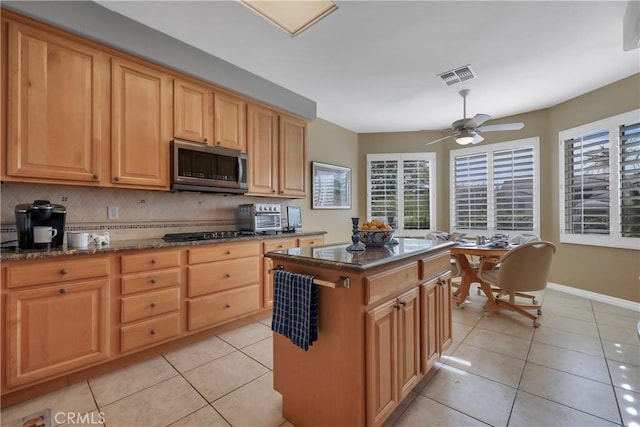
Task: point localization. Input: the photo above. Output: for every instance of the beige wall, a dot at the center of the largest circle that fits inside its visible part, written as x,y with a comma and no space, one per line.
613,272
329,143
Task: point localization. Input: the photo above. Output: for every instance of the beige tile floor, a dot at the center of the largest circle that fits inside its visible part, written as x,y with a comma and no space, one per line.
580,368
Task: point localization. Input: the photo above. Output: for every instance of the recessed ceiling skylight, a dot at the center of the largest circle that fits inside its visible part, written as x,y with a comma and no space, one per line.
292,16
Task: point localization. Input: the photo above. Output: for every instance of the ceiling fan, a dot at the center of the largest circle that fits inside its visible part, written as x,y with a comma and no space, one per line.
467,131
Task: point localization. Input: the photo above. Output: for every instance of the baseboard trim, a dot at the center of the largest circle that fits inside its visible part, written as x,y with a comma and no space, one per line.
619,302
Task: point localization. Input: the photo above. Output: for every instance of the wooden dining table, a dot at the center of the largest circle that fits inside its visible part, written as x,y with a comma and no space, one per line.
470,273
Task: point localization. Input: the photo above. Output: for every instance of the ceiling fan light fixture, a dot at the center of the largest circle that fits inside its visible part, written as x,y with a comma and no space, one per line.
292,16
465,137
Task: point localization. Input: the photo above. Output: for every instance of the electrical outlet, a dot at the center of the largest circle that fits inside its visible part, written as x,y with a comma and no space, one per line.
112,212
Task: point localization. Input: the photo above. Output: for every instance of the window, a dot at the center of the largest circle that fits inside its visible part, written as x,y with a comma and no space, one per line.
402,186
600,182
495,188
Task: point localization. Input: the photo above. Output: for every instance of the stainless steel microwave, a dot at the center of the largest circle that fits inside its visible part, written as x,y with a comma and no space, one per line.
207,169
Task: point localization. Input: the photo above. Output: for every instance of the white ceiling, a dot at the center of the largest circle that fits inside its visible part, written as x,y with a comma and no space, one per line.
371,66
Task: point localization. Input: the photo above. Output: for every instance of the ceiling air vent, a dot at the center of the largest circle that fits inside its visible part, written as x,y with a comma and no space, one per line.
458,75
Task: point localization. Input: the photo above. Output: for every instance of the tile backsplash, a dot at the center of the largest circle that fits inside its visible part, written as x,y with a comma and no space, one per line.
141,213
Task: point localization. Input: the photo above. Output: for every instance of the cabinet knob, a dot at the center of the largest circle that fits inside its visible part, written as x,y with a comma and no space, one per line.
64,271
227,275
153,261
228,252
273,191
218,143
396,306
206,140
116,178
63,291
154,281
403,303
153,332
311,242
154,305
279,246
96,177
227,306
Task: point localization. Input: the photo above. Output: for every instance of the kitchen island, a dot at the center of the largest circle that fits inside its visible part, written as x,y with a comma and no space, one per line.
384,318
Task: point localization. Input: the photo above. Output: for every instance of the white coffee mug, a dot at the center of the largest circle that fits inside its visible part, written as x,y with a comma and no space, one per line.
44,234
77,239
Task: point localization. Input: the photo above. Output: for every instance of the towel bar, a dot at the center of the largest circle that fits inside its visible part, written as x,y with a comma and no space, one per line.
344,282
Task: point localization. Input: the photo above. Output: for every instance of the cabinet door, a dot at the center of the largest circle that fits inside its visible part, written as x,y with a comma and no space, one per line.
292,157
444,313
230,122
55,330
382,353
408,341
262,150
192,112
429,309
141,111
58,91
267,275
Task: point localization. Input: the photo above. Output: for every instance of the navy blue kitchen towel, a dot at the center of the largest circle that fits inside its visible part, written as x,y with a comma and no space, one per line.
295,308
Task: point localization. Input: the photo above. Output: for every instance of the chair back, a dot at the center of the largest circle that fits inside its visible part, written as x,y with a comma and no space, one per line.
520,239
526,268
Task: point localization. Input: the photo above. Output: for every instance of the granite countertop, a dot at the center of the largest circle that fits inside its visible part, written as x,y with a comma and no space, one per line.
135,244
338,258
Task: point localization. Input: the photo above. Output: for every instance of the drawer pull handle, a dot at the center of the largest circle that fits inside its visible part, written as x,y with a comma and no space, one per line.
154,281
227,275
153,332
64,271
63,290
403,303
396,306
153,261
154,305
227,306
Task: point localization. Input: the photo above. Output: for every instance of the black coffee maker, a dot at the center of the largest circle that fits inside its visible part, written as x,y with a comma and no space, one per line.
40,213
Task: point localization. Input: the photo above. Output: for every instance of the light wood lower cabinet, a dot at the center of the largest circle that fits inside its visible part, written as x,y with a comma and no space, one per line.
55,329
393,354
267,266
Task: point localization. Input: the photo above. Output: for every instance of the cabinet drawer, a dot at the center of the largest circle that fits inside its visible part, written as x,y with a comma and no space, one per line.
149,304
219,276
390,282
435,265
149,261
150,281
222,251
223,306
38,272
276,245
310,241
149,332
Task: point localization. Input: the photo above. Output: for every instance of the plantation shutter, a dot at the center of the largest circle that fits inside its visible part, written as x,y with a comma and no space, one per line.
586,180
630,180
383,188
415,174
470,191
513,180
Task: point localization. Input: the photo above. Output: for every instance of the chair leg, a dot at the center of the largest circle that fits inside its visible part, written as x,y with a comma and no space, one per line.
518,308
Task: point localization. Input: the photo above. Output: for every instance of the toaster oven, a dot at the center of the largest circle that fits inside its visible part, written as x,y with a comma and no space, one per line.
260,217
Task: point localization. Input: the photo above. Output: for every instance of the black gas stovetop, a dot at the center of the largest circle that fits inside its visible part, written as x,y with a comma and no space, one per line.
205,235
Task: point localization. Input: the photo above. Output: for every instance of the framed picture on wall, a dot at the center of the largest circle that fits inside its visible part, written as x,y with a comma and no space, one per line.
331,186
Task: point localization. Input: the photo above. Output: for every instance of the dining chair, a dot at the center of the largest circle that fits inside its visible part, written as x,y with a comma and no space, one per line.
519,239
522,269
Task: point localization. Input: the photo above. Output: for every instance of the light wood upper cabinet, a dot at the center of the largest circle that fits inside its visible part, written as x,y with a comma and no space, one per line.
193,112
141,125
262,148
58,105
292,156
230,122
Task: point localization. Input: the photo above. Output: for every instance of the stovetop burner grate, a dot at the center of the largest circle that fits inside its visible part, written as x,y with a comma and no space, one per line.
205,235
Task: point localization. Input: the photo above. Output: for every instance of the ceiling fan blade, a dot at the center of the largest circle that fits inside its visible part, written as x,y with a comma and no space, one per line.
476,121
504,126
477,138
438,140
631,26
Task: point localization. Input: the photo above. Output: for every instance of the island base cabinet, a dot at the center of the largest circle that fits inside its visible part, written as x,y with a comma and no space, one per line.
435,314
55,329
393,354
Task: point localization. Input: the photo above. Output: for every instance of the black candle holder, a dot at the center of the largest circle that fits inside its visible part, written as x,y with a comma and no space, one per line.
355,238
